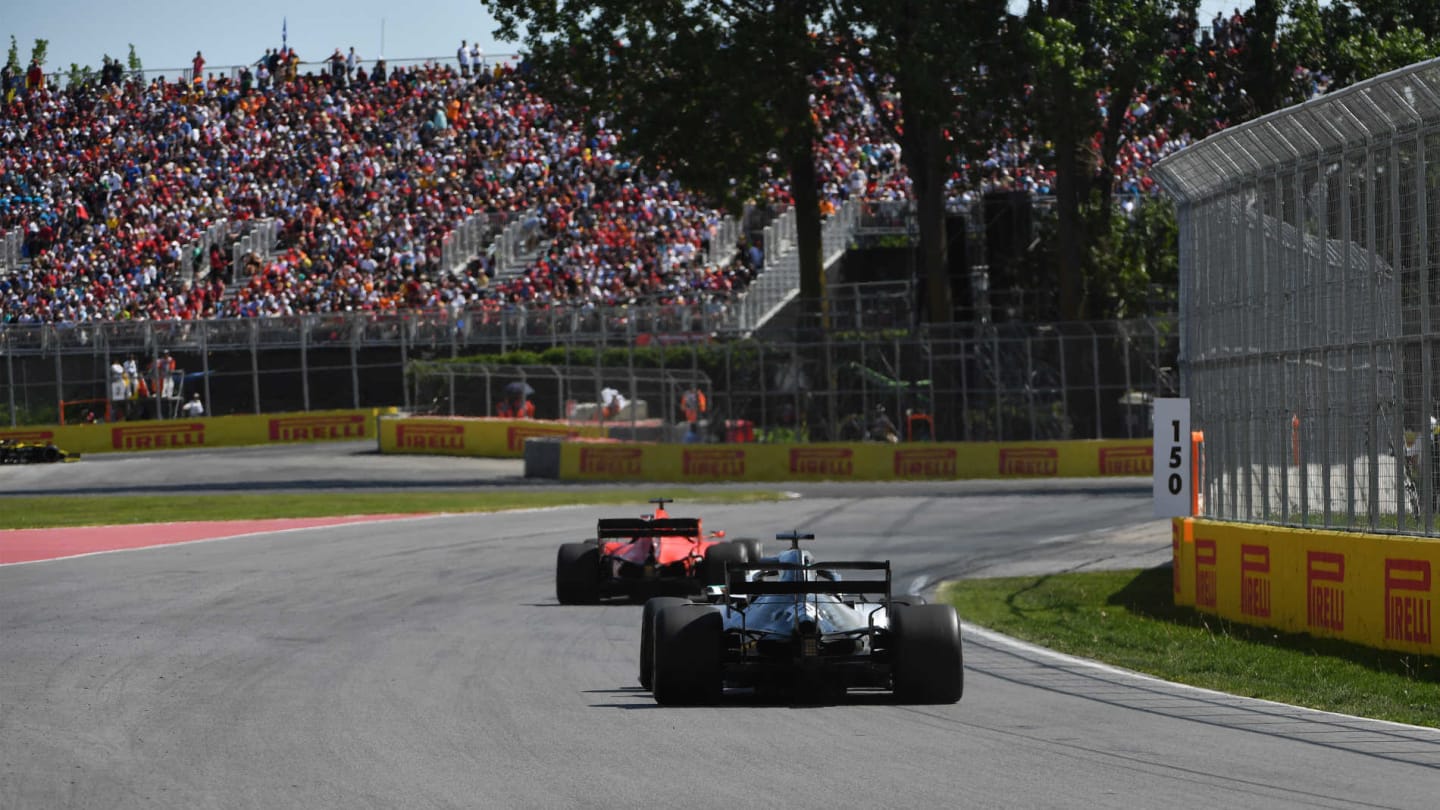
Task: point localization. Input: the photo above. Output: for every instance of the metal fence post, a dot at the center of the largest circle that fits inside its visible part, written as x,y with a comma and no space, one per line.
305,360
10,383
356,329
254,325
205,368
59,382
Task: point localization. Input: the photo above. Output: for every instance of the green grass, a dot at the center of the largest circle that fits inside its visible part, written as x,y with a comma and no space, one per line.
1128,618
57,511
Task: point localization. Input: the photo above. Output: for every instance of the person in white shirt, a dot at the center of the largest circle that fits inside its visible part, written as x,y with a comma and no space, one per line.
193,408
463,56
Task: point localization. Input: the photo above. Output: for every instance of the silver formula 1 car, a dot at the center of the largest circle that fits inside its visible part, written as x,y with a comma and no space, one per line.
806,629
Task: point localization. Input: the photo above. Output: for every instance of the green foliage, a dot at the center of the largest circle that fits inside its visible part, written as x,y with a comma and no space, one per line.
79,76
1073,52
70,510
1129,619
1355,41
1135,253
12,57
1373,53
43,414
559,356
707,90
133,61
40,52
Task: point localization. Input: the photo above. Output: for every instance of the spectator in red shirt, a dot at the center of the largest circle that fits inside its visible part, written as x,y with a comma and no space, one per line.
34,79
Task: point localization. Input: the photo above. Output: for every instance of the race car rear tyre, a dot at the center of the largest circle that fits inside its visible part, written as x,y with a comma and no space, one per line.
753,550
717,556
928,662
688,641
577,574
647,635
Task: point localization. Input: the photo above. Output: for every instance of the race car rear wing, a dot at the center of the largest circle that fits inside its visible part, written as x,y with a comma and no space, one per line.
742,585
639,527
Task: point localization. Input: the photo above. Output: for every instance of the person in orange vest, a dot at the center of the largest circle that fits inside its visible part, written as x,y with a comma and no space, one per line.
516,408
693,405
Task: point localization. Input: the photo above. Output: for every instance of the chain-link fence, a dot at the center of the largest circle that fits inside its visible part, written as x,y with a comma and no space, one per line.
1308,299
869,368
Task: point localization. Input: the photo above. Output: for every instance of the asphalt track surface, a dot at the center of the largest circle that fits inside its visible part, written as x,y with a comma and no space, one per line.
424,663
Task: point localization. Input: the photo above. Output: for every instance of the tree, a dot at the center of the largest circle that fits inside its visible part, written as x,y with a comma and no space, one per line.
1139,254
40,51
1080,51
938,52
1354,41
133,62
12,58
707,89
79,76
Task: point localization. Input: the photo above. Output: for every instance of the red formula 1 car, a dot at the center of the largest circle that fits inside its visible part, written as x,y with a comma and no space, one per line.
647,556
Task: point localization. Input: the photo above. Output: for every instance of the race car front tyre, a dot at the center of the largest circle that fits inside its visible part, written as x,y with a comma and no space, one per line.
688,641
908,599
647,635
577,574
753,550
928,662
717,556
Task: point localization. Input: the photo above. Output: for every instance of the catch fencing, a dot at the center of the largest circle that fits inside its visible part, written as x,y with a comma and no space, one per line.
970,382
1309,295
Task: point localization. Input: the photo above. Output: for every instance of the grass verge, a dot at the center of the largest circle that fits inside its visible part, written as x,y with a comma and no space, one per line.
47,512
1128,619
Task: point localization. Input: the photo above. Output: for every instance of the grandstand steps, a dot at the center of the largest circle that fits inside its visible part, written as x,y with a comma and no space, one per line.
777,287
517,267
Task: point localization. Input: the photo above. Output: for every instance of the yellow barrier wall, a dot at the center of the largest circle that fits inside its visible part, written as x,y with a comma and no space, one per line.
859,462
210,431
1377,590
457,436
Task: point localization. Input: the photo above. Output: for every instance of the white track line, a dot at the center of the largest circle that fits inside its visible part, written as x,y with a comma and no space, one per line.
1003,640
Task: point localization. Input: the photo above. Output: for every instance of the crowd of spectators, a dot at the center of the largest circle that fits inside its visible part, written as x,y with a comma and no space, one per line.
369,169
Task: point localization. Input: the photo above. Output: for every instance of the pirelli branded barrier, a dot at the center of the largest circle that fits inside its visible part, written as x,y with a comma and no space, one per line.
217,431
1377,590
488,438
860,462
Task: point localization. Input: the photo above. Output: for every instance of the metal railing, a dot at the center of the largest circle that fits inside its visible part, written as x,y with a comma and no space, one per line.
569,391
779,282
1046,382
58,78
260,240
199,250
724,239
970,382
469,239
517,243
1309,275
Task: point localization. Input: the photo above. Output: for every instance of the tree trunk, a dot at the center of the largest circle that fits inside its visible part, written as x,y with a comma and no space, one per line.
1068,186
807,227
923,158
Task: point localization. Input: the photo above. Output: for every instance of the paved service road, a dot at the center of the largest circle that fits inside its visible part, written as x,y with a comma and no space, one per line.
424,663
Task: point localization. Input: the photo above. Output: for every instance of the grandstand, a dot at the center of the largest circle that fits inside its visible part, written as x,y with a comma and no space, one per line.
406,188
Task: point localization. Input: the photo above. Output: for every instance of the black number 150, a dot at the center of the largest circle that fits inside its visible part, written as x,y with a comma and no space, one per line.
1175,483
